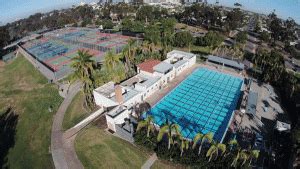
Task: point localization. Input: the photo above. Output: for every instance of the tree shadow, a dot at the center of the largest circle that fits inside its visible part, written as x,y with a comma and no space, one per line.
8,124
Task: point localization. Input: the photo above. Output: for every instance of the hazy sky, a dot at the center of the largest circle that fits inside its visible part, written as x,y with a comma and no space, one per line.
10,10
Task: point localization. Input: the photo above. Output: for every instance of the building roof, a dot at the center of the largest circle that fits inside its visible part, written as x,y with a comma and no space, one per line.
181,53
140,79
252,102
163,67
148,65
227,62
107,89
179,63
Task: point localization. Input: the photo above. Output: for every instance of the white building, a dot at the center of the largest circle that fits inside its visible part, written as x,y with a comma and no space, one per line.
119,99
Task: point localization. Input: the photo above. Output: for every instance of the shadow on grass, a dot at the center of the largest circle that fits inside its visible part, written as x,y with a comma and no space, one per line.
8,124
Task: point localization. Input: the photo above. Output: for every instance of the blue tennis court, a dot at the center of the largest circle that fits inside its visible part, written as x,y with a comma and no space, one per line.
203,102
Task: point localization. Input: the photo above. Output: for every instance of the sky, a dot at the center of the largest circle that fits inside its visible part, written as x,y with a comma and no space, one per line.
283,8
11,10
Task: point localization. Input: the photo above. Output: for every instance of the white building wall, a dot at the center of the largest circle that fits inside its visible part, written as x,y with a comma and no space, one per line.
111,122
165,78
103,101
134,100
192,61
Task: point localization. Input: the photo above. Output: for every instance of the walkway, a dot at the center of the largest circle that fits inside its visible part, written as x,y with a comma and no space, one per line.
63,153
150,162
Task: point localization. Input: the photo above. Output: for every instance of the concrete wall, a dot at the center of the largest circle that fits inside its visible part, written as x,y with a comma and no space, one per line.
119,119
165,78
42,68
49,74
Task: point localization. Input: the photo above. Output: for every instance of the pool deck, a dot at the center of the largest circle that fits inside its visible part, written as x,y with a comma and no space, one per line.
157,96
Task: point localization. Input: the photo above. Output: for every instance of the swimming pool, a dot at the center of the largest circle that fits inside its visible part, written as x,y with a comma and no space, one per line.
203,102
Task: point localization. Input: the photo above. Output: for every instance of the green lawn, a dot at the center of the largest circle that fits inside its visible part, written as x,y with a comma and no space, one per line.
27,91
98,149
159,164
75,112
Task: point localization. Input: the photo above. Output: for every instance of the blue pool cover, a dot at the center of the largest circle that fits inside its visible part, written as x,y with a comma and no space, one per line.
203,102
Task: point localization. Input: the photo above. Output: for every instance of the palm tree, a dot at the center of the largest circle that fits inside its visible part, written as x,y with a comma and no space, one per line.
128,54
240,155
244,156
214,150
83,66
207,138
184,145
233,143
148,124
168,129
253,155
111,60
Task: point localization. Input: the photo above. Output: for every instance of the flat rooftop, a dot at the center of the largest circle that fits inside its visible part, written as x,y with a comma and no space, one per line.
178,53
108,90
140,79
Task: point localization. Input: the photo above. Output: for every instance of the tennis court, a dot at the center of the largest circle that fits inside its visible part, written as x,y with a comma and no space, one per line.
203,102
56,48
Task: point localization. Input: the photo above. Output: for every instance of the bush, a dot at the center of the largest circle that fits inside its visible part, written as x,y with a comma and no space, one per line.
141,138
241,37
183,39
212,39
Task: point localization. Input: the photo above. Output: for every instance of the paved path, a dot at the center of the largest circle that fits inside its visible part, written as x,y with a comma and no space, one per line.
63,153
150,162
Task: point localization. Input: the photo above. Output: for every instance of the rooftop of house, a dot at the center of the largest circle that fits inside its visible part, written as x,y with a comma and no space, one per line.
163,67
148,65
108,90
177,53
140,79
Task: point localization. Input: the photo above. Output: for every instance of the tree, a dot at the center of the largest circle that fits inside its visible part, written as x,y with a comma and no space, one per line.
214,150
234,19
183,39
107,24
148,124
111,60
168,130
207,138
128,55
253,155
184,145
275,26
152,34
265,36
83,66
241,37
211,39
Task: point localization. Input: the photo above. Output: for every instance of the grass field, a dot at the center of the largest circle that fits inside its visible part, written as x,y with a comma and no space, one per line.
26,90
75,112
98,149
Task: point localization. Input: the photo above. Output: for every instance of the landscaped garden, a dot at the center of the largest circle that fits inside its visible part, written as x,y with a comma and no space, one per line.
34,103
202,151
